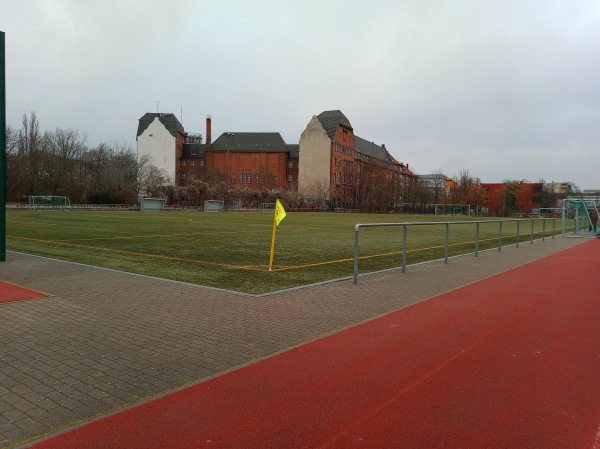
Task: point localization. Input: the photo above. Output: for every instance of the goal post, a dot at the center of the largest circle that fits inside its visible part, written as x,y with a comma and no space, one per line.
152,204
267,207
49,202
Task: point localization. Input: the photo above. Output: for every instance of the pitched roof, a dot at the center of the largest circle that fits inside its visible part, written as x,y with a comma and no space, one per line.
331,120
168,120
193,150
262,142
373,150
294,150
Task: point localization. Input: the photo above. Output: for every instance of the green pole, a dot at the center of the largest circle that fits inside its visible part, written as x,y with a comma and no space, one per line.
2,149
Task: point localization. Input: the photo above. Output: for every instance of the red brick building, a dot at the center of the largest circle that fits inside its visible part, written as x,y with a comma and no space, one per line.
241,159
347,170
515,197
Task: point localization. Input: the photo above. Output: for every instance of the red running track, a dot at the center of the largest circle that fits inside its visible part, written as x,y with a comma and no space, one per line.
11,292
512,361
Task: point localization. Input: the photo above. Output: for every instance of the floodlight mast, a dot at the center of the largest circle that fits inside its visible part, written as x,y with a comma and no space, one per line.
2,148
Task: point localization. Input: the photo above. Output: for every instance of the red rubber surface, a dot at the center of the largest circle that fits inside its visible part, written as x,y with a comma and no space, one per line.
10,292
509,362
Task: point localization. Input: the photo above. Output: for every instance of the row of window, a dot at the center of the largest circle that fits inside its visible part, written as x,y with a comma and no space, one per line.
342,149
339,177
246,178
183,162
348,165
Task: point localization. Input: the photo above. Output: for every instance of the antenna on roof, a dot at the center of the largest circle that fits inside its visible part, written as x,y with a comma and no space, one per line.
157,103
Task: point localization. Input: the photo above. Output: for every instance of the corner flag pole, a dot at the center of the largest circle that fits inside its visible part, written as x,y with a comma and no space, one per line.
279,215
273,242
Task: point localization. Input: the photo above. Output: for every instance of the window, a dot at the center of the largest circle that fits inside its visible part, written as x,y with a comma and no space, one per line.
183,176
233,178
290,178
201,162
194,152
183,162
290,164
257,178
193,163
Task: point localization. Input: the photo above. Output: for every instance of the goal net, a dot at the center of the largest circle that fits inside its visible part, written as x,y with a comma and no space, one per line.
267,207
214,206
49,202
452,209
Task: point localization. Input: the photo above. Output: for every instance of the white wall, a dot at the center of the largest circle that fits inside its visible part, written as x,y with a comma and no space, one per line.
159,144
314,160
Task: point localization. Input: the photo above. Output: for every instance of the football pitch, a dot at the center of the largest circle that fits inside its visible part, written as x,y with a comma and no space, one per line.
230,250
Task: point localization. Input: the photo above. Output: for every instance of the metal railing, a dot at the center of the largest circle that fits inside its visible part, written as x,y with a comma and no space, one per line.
447,224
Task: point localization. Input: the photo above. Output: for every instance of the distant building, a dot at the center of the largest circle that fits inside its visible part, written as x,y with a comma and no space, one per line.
560,187
254,160
340,167
591,192
161,137
509,198
439,184
329,163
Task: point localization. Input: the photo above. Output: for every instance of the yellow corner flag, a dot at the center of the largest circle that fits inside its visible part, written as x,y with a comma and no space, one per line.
279,212
279,215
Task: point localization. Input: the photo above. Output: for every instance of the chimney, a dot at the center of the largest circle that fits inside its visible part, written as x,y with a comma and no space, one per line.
208,132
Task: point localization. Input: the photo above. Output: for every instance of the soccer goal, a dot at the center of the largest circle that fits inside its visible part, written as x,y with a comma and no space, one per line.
267,207
214,206
581,217
152,204
452,209
49,202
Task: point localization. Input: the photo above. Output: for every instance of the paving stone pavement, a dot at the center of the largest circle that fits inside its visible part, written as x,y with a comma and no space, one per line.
103,340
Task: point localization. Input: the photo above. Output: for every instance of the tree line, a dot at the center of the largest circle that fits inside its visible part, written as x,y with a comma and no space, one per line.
60,162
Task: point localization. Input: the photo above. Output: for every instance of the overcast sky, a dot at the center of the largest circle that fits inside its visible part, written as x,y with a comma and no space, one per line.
507,89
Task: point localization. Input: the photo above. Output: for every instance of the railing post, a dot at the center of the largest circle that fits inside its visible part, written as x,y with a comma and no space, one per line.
405,232
518,226
447,239
543,230
356,253
477,240
532,223
500,236
553,228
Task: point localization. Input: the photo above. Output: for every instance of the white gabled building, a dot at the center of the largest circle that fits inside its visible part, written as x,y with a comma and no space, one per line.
161,137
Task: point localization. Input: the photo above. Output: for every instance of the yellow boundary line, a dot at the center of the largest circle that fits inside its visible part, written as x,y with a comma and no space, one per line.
260,268
136,253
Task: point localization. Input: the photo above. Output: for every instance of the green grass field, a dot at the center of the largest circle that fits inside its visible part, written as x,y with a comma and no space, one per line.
231,250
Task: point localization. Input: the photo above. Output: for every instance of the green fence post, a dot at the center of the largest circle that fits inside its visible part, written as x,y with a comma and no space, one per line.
2,148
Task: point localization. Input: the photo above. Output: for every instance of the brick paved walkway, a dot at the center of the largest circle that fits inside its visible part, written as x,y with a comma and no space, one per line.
103,340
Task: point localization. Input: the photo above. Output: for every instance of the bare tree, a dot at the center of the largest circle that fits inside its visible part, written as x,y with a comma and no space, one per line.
149,177
30,149
65,148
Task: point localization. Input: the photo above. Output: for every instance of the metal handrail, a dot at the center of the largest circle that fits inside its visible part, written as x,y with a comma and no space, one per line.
447,224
